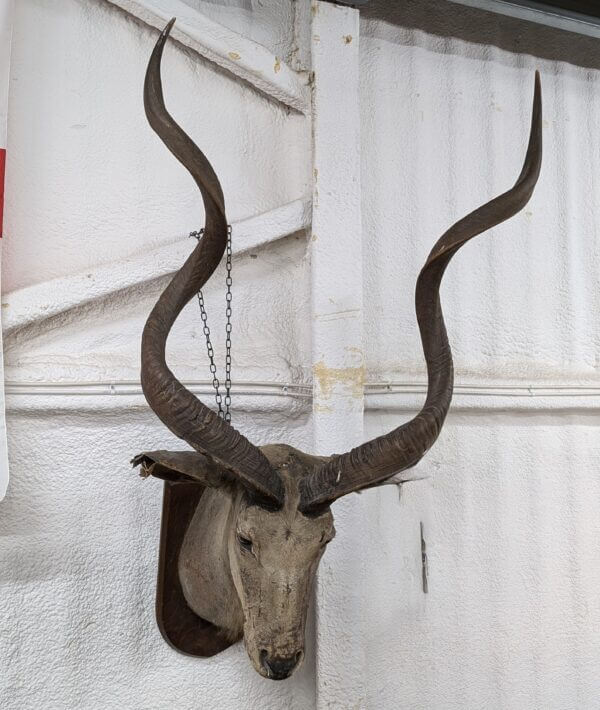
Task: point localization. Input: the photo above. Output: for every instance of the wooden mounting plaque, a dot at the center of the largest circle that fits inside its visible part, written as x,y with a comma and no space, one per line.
181,628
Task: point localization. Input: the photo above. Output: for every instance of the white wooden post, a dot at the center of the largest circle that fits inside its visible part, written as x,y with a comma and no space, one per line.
337,330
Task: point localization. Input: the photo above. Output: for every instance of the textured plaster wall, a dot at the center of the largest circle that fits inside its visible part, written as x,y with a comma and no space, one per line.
509,495
511,618
509,501
446,108
79,534
88,183
270,22
104,185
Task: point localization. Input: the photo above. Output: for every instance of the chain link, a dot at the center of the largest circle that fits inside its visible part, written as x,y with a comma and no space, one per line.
223,411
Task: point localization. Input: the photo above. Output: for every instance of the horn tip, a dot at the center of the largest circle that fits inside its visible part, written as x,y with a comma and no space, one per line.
537,98
165,33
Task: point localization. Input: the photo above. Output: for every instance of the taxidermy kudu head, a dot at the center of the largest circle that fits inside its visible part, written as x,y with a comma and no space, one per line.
251,551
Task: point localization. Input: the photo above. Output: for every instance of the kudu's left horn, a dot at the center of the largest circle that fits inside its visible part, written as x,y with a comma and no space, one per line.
176,406
378,459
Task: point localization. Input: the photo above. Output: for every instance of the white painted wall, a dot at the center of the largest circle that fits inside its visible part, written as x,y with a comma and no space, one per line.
510,502
90,185
268,23
104,185
510,499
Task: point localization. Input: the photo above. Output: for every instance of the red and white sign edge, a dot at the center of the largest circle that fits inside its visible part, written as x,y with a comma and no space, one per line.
6,22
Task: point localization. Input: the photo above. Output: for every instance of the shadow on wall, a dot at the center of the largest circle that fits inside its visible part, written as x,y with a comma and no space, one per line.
445,19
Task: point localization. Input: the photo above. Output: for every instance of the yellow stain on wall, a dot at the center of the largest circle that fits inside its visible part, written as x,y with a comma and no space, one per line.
328,377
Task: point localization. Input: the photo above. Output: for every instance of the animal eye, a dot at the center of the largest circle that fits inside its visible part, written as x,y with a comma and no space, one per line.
244,542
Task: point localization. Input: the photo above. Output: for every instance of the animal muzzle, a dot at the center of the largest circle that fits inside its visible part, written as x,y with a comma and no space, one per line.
278,667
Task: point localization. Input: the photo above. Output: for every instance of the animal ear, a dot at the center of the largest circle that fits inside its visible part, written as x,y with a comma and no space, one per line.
181,467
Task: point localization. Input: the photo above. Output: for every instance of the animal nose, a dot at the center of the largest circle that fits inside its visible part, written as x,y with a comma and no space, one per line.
279,668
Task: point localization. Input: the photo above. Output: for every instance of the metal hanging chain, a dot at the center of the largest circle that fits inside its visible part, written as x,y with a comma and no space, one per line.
223,411
228,298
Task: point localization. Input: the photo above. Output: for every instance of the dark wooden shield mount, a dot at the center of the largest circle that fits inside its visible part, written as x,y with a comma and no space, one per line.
181,628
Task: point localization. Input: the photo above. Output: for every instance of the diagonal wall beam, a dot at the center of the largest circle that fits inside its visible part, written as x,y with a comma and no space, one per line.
32,304
242,57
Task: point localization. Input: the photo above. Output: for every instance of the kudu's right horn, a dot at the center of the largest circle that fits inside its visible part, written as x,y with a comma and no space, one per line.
182,412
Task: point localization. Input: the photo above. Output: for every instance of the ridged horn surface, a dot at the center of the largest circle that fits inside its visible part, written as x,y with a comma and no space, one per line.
181,411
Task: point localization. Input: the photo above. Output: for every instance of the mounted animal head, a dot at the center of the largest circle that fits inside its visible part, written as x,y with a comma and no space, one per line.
251,552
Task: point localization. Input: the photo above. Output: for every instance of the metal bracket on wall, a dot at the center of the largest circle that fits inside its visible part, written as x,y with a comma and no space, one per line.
424,561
